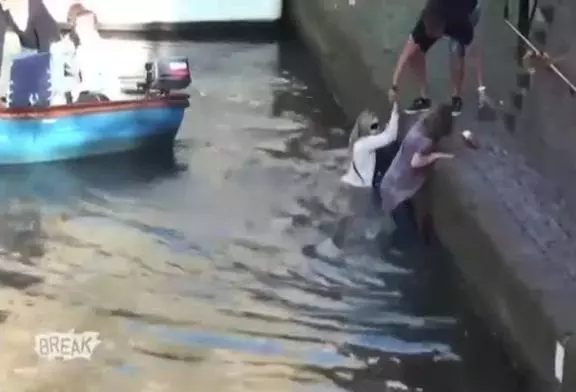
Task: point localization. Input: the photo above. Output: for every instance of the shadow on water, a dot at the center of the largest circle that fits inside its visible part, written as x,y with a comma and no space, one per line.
26,191
59,182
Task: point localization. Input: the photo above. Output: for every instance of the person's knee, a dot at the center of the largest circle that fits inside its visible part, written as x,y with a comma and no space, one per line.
414,56
419,45
411,51
457,51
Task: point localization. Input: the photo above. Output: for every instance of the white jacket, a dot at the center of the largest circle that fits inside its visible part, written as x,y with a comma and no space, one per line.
363,162
88,60
93,61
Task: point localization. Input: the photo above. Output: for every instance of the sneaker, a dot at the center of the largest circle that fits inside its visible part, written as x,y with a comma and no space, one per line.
419,105
456,106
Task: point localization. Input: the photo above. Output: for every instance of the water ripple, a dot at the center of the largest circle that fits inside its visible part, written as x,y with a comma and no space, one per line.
206,272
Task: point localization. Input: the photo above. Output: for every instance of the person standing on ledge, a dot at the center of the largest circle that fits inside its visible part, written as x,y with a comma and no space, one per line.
455,19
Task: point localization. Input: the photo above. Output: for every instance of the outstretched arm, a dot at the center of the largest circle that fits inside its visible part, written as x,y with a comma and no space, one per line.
420,160
382,139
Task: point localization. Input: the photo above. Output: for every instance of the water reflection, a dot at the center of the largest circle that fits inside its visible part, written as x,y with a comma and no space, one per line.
61,182
196,270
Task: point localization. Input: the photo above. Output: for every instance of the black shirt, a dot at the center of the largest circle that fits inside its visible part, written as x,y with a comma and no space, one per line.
452,11
384,157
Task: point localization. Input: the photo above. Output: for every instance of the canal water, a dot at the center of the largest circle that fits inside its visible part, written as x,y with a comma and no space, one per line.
207,271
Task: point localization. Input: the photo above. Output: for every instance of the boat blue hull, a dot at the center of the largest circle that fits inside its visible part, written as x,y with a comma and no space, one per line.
47,139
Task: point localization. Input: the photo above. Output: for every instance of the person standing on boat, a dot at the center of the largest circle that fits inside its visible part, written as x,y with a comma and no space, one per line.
97,79
456,19
31,21
32,25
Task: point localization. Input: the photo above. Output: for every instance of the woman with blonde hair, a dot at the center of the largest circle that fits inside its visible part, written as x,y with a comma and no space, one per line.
354,201
366,138
404,177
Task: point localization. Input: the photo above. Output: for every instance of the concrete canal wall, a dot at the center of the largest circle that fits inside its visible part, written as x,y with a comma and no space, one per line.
504,220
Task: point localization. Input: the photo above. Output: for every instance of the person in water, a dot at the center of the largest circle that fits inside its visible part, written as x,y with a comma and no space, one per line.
97,79
369,155
456,19
418,152
366,139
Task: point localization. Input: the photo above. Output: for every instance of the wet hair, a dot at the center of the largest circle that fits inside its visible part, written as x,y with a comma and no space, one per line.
366,123
439,122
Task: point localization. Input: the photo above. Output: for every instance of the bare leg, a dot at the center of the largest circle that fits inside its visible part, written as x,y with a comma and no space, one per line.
458,73
418,64
411,55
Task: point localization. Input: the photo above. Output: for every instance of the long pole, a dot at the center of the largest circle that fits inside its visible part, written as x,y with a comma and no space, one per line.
539,53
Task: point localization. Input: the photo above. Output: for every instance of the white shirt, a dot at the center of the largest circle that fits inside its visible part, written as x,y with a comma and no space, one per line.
97,73
89,60
363,163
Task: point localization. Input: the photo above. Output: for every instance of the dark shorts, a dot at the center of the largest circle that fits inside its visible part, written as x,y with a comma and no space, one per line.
461,33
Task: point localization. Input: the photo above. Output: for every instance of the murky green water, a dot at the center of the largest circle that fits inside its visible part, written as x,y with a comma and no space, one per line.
197,273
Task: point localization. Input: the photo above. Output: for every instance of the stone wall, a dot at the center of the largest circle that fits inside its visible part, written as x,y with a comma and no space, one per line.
504,223
546,126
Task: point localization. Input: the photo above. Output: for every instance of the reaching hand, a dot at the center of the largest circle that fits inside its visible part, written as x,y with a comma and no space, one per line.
483,98
393,94
443,155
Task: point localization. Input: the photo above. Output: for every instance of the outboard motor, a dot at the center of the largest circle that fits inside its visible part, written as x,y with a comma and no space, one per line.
165,75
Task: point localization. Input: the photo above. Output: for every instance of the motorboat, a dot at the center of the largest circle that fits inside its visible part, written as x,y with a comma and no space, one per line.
34,129
139,15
